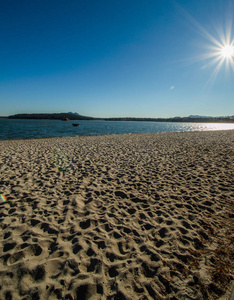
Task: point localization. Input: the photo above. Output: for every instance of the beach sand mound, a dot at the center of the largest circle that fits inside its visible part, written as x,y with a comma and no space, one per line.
146,216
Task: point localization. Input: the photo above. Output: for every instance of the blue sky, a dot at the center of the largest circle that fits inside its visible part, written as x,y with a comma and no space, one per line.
108,58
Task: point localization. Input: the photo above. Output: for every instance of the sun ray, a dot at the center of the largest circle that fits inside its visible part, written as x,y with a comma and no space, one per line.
214,74
213,62
219,50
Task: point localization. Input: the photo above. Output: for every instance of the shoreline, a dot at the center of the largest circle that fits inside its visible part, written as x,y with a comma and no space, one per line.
123,216
112,134
31,129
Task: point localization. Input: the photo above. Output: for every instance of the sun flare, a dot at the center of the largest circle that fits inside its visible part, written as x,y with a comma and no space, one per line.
220,54
218,46
227,51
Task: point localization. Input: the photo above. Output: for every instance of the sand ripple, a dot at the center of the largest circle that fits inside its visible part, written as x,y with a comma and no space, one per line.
144,216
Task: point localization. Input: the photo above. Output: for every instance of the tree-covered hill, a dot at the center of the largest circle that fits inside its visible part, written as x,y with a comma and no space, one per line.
54,116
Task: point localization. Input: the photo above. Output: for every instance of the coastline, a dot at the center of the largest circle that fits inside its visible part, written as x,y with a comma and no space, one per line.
132,216
32,129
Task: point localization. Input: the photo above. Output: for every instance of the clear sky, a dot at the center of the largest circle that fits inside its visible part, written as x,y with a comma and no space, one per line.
126,58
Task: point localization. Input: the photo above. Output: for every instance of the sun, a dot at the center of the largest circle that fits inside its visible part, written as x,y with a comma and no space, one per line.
218,46
227,51
219,52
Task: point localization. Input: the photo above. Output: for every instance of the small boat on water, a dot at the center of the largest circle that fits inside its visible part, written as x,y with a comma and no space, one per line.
75,124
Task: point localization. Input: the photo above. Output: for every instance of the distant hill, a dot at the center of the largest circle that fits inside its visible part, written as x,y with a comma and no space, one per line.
55,116
198,117
74,113
76,116
179,119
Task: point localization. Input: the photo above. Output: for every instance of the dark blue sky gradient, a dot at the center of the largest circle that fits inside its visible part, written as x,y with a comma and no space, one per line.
110,58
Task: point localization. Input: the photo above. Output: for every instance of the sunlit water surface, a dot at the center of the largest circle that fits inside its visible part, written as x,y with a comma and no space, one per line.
22,129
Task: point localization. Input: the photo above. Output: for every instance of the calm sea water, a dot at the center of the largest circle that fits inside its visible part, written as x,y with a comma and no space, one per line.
21,129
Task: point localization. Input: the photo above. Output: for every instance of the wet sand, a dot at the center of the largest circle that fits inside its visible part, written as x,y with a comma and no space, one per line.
143,216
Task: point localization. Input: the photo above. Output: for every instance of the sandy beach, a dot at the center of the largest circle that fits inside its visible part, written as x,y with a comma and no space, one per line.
143,216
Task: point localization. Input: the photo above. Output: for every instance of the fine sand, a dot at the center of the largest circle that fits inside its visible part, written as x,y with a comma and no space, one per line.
143,216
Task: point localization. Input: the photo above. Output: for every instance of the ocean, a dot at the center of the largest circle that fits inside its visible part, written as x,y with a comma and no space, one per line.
29,129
